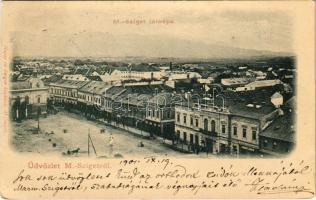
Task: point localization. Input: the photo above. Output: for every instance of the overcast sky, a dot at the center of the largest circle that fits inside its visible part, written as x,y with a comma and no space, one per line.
201,23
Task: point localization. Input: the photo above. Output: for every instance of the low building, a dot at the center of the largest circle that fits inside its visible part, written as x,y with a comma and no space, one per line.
28,98
258,84
227,82
278,138
135,75
75,77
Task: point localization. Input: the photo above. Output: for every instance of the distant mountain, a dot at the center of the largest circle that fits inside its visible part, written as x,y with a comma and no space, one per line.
107,45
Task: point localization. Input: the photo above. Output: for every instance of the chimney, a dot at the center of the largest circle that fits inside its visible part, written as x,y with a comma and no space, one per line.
280,112
188,97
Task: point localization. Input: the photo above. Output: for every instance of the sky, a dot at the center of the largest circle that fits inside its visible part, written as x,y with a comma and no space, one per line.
83,28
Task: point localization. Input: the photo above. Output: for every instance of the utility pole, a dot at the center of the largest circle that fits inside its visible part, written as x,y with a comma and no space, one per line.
38,115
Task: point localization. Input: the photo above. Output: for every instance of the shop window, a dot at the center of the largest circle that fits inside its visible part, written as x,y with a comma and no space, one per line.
185,137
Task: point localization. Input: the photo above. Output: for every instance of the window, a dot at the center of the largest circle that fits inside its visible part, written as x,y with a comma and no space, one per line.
254,135
185,137
191,139
178,117
265,143
178,134
196,122
184,119
274,145
244,132
196,139
205,124
213,126
38,99
223,128
235,130
191,121
235,148
168,114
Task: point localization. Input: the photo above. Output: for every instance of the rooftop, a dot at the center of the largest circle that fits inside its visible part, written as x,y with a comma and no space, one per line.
281,128
20,85
96,87
69,83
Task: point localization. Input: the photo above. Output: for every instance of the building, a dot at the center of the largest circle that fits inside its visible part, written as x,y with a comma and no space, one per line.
228,82
147,107
225,124
75,77
180,75
258,84
65,92
135,75
160,114
28,98
278,138
90,98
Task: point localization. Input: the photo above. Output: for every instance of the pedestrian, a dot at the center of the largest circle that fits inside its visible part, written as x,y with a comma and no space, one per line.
111,143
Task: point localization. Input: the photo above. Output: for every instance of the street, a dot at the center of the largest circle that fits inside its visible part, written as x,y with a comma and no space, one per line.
70,132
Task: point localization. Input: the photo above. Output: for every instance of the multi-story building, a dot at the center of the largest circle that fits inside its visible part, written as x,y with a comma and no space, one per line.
226,127
90,98
160,114
28,98
65,92
146,107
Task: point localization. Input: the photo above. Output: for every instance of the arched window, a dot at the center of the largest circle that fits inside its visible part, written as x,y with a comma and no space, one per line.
205,124
38,99
213,125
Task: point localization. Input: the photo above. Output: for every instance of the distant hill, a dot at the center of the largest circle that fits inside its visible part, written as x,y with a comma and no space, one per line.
107,45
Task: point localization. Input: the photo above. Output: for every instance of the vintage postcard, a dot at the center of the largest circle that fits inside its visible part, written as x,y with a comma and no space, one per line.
154,100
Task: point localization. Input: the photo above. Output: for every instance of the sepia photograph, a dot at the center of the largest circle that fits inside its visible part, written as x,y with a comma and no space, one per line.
164,100
121,87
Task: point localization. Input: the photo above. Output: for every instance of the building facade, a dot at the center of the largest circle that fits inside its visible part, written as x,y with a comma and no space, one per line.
220,129
28,99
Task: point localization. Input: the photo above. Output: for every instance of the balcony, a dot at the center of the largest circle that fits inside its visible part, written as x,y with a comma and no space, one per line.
208,132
